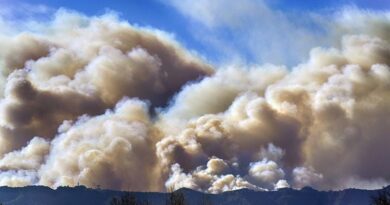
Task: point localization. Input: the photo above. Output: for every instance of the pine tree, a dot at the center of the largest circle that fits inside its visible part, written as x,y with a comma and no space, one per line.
176,198
382,198
127,199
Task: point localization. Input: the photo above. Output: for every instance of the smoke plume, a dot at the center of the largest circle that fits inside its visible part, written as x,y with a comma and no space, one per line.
99,102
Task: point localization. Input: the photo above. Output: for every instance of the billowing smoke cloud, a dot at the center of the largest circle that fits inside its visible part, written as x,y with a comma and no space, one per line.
99,102
84,66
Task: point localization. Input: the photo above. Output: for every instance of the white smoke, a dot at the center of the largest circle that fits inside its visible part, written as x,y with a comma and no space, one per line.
99,102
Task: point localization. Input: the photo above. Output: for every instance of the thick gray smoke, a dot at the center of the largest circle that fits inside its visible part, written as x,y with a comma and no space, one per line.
77,95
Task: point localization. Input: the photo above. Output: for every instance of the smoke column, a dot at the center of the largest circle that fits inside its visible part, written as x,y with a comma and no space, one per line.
100,102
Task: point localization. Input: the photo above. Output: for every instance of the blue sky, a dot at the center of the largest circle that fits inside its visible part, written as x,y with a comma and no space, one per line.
331,4
214,38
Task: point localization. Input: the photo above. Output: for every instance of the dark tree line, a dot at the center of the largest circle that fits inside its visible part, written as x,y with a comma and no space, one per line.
382,198
128,199
174,198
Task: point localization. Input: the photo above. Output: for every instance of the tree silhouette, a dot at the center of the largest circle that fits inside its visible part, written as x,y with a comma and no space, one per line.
176,198
127,199
205,200
382,198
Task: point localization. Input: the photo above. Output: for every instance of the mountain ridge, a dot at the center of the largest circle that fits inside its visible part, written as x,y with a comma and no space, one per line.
81,195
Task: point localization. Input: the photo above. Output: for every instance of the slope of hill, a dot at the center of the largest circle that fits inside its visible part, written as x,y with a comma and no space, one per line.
39,195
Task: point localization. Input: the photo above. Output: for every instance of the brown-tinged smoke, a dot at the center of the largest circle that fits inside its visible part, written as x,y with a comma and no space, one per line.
77,100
